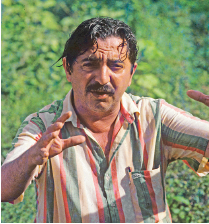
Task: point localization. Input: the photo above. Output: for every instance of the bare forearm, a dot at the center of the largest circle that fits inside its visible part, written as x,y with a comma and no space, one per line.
16,176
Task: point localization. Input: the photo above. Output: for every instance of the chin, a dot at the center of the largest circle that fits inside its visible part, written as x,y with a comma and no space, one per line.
101,107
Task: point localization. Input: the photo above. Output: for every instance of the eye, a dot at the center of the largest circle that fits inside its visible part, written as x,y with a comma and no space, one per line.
89,66
116,66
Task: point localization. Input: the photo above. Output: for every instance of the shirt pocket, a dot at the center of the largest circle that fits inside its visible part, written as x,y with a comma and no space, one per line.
149,191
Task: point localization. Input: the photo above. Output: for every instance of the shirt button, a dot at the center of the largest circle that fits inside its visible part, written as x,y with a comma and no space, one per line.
113,204
107,177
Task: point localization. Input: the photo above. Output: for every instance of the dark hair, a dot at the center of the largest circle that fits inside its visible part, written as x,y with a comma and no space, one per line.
87,33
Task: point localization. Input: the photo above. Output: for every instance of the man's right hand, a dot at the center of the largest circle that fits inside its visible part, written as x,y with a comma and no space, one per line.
21,170
50,144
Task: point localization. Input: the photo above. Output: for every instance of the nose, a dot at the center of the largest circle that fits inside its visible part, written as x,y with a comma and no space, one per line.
103,75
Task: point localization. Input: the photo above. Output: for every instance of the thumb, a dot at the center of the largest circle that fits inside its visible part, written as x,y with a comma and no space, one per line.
198,96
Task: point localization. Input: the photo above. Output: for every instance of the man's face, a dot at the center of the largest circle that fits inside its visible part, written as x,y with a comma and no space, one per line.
100,78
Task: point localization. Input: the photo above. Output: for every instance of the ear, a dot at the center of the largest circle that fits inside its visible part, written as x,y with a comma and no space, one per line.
133,71
66,67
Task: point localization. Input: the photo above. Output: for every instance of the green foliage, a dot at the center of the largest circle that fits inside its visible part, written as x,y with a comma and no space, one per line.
173,57
23,212
187,194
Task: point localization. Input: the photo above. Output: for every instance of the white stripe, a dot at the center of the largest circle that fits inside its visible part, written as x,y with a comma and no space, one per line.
149,131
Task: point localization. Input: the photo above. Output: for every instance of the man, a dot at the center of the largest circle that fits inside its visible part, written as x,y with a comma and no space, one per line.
100,155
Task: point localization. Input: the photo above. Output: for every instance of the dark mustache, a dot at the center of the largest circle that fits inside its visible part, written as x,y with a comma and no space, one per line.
96,87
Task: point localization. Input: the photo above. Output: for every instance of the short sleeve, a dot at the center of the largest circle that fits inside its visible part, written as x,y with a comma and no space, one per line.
185,137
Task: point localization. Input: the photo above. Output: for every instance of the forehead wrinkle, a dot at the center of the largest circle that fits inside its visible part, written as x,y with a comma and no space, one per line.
111,51
98,56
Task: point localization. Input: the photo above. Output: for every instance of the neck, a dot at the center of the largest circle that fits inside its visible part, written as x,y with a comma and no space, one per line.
97,122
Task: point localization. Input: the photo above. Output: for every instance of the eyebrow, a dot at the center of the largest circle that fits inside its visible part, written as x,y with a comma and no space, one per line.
94,59
91,59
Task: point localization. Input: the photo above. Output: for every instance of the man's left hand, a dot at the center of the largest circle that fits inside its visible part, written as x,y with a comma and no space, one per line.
198,96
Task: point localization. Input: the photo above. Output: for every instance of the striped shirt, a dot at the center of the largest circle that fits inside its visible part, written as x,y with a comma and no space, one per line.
80,185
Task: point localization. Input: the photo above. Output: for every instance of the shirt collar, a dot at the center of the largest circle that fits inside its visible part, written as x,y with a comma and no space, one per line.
68,106
128,109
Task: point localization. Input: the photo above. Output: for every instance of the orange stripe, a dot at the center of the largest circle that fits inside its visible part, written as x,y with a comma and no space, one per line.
63,186
143,145
169,213
96,184
126,114
152,194
186,162
184,147
116,191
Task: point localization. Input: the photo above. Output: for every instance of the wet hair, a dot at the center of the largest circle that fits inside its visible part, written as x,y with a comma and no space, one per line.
86,34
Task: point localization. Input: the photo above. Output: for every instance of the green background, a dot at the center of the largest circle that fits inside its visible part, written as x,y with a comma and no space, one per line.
173,58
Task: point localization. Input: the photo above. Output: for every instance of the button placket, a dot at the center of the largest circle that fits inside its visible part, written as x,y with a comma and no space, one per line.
107,182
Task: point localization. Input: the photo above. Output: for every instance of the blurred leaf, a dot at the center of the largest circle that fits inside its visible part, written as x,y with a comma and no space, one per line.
181,199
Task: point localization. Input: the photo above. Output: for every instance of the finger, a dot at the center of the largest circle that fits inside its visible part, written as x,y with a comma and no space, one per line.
47,139
64,117
58,123
198,96
56,127
75,140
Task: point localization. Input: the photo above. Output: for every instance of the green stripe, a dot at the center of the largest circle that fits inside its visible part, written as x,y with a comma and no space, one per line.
40,123
111,197
121,142
72,189
49,192
143,195
109,185
101,168
183,139
59,111
155,105
137,155
56,107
